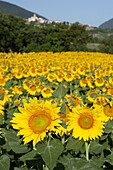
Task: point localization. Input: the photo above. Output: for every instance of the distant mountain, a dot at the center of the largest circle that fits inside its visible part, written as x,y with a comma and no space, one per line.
8,8
108,24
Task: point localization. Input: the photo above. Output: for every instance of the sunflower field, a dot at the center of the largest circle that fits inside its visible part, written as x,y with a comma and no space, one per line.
56,111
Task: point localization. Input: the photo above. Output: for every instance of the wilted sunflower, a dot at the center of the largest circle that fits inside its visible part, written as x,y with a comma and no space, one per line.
85,123
35,119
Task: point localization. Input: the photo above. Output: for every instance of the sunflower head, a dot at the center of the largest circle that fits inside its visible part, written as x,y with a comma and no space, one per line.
85,122
46,92
108,110
100,100
36,119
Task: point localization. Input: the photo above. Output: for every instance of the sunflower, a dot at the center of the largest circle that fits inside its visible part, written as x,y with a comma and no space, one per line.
97,74
108,110
85,122
83,82
46,92
59,77
4,68
9,77
17,90
110,91
18,74
74,69
2,82
89,77
91,83
33,71
26,84
99,82
26,73
111,80
36,119
91,99
81,70
76,76
32,89
68,77
16,101
40,87
51,77
100,100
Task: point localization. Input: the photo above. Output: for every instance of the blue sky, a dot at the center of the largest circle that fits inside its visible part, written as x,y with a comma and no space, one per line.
88,12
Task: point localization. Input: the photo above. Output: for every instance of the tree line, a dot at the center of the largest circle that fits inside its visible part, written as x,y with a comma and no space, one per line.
18,36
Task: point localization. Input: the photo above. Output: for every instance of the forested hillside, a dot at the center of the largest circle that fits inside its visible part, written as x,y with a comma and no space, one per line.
8,8
17,36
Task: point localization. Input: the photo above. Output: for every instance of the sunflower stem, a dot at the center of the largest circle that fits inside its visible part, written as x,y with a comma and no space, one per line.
63,139
70,87
87,150
45,167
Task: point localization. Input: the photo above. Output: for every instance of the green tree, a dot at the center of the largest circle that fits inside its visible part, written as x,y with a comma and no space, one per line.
107,45
78,37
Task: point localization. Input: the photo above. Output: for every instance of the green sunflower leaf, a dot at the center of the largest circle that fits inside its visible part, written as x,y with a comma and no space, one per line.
60,92
13,142
97,148
109,126
4,162
33,158
74,144
28,156
50,151
71,163
109,158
